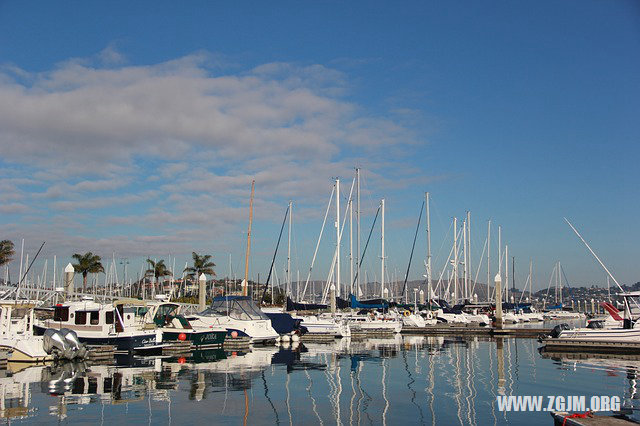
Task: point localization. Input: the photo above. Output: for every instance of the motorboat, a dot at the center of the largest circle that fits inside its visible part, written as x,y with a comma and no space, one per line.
324,325
240,316
16,334
371,322
119,324
167,318
18,339
628,333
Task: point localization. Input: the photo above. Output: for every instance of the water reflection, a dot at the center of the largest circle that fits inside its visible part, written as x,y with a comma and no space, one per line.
417,379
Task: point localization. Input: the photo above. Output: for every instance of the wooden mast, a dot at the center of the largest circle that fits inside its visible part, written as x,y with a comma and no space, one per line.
245,286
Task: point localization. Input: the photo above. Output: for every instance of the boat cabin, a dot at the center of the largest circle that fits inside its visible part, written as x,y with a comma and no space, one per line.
87,315
236,307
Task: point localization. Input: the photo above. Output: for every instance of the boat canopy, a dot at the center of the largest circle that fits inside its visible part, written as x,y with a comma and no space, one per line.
237,307
368,304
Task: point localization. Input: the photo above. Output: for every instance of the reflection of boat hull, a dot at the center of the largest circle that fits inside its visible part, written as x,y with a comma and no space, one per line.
199,339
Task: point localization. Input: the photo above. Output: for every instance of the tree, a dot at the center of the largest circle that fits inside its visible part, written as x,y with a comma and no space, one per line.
157,269
202,264
87,263
6,252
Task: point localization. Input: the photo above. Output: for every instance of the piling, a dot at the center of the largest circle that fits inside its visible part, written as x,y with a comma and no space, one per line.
332,296
69,272
498,284
202,292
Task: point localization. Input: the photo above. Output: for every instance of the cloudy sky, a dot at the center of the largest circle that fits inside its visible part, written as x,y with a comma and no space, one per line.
134,129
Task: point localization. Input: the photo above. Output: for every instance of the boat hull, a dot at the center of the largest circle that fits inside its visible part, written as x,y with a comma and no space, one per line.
143,342
199,339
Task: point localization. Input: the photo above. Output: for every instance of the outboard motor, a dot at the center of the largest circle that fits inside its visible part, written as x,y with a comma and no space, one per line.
596,324
53,342
555,332
63,344
77,349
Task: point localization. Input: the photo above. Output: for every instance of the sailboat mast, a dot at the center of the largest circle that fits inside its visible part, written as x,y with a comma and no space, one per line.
469,295
382,252
338,237
506,273
465,278
351,246
288,292
530,279
428,249
513,273
245,287
358,233
488,257
499,252
455,259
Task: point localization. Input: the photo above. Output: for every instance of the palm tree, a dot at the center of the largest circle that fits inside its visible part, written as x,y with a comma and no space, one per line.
202,264
6,252
87,263
157,269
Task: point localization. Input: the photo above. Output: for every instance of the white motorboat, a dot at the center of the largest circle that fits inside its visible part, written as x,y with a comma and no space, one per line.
324,325
449,317
16,334
628,333
481,319
239,314
120,324
372,323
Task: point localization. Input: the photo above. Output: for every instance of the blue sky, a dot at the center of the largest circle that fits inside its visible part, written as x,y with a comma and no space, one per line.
135,128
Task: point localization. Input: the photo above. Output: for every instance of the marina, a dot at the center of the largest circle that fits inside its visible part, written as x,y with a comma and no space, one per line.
355,213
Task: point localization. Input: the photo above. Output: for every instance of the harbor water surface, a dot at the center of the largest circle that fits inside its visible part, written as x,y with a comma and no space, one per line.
403,380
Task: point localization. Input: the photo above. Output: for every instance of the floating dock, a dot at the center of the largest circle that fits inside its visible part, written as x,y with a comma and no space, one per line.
563,418
237,343
475,330
317,338
177,348
100,353
590,346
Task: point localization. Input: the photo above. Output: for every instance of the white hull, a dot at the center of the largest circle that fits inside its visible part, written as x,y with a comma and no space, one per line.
602,335
25,349
452,318
259,331
325,326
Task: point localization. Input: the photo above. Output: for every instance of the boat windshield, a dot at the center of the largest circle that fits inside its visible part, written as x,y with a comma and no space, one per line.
237,308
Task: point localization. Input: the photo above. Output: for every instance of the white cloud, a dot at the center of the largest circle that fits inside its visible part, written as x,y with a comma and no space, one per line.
170,149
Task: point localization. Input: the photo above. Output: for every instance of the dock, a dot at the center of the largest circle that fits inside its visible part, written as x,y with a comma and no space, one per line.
100,353
590,346
563,418
475,330
177,348
317,338
237,343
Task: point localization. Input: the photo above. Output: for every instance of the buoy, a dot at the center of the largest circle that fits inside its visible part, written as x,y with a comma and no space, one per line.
285,338
234,354
295,338
182,337
234,334
182,360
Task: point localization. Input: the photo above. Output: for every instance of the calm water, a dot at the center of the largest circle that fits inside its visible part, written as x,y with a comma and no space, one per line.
414,380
